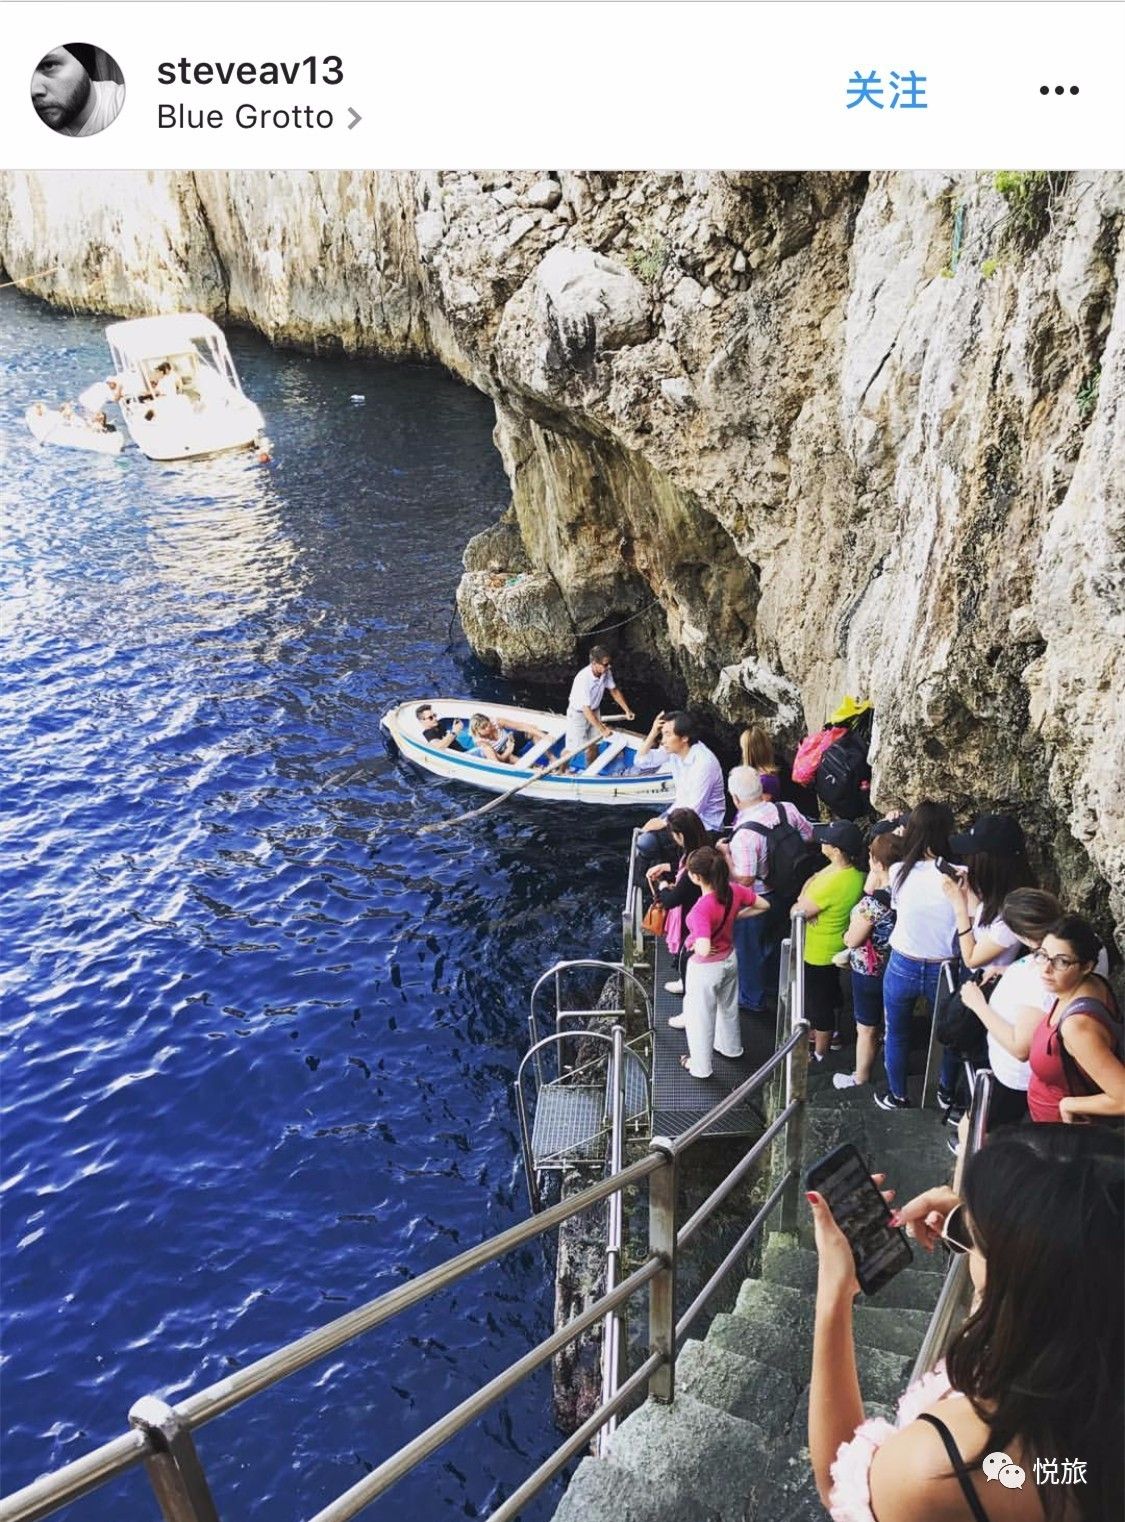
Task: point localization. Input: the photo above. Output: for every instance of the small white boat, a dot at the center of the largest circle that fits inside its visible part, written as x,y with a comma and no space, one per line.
610,779
71,430
180,393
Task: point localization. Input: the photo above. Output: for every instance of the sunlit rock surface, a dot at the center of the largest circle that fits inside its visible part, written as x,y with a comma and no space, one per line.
796,429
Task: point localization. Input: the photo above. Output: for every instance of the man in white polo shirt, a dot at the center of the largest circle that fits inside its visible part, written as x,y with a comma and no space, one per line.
584,723
698,779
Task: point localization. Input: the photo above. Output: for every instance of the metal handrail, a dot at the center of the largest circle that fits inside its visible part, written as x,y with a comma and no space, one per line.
956,1287
162,1439
553,974
533,1053
615,1233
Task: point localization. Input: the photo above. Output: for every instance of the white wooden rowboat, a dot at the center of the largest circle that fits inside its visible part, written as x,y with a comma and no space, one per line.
610,780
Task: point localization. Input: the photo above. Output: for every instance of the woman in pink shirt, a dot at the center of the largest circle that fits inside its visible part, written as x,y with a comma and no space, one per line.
710,1015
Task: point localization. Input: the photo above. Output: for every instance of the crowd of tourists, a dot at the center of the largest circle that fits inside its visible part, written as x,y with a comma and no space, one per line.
1022,1420
890,905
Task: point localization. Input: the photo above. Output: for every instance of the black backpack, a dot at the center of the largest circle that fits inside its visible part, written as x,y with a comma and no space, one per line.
959,1029
843,778
791,859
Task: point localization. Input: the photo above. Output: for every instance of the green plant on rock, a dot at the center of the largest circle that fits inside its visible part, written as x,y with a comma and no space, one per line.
1087,395
989,267
648,258
1030,194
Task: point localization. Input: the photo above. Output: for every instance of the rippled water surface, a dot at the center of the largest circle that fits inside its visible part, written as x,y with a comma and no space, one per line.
258,1036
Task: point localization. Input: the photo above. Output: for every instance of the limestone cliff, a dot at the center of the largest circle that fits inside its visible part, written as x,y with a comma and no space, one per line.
809,433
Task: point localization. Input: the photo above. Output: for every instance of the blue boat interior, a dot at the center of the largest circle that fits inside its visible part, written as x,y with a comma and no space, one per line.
621,765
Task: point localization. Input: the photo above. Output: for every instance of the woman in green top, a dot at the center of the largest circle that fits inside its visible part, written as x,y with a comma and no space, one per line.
827,901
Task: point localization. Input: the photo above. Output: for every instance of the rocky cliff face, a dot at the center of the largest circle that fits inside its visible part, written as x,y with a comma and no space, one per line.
807,434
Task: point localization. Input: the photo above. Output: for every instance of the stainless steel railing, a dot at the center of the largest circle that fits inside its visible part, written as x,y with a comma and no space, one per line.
956,1289
161,1438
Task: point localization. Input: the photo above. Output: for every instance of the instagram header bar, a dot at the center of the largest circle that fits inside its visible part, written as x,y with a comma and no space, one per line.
605,85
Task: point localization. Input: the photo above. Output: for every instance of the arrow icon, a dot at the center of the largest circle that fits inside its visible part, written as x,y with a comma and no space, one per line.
355,117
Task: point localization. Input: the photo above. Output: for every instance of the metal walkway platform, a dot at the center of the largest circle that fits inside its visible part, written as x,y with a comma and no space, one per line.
678,1099
572,1121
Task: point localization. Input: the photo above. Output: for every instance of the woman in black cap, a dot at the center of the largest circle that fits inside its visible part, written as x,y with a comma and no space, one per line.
827,901
995,865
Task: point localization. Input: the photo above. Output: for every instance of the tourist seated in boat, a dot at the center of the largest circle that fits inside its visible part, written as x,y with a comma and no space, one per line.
494,743
168,382
442,734
101,424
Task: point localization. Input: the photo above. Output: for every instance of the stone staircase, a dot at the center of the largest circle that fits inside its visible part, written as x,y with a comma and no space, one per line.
732,1446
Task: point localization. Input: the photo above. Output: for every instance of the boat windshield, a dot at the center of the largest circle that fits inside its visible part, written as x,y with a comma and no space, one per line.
194,367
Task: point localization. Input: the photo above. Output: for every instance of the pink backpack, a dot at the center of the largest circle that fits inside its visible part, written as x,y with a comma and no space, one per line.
810,750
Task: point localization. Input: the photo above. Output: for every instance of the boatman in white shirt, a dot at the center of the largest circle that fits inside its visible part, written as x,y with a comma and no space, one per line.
96,398
69,97
584,722
696,773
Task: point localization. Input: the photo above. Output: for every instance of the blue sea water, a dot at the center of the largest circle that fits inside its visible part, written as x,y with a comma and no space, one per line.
258,1036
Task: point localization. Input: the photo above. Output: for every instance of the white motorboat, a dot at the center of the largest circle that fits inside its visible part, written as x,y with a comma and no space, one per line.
71,430
610,779
180,393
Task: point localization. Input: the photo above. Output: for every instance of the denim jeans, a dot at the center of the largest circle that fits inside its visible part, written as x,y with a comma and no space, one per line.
867,998
904,983
757,941
655,846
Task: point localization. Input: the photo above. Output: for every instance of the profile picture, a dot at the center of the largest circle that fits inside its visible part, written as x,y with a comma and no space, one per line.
77,89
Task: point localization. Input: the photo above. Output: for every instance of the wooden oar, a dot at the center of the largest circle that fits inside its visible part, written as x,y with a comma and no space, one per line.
494,803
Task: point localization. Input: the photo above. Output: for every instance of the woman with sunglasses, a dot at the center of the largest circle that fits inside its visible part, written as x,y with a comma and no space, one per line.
1074,1050
1034,1373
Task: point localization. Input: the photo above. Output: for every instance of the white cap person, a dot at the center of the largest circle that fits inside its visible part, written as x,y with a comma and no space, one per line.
584,723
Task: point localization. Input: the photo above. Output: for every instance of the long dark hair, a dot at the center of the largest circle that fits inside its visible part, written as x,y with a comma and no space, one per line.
708,864
992,878
927,829
687,824
1040,1358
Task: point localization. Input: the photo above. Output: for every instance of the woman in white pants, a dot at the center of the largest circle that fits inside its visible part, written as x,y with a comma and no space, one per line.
710,1016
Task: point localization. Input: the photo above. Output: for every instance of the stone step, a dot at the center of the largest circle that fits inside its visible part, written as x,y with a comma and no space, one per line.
894,1330
883,1374
744,1387
784,1262
905,1135
603,1491
791,1491
719,1460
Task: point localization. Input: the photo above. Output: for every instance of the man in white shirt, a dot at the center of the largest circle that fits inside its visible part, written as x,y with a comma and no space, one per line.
758,940
696,773
584,723
68,98
97,398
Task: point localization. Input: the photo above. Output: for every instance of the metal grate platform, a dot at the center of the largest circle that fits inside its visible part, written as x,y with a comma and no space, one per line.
569,1122
678,1099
